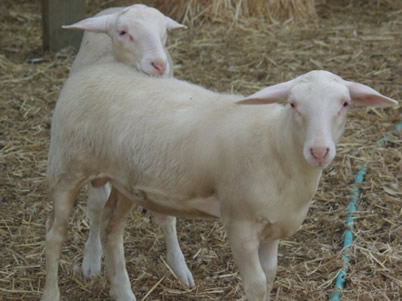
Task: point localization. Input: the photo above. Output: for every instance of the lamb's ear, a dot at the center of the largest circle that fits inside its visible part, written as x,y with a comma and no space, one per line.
271,94
94,24
172,24
368,96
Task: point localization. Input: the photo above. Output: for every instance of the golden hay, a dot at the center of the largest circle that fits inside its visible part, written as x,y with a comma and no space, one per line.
274,10
358,39
190,11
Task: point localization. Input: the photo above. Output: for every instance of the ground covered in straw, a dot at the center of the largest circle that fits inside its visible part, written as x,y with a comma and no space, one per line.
360,40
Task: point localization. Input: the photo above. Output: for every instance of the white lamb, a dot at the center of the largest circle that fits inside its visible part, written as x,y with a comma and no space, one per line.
136,36
179,149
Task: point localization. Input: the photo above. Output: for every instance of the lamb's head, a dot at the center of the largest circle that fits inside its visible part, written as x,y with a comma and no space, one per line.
317,103
139,35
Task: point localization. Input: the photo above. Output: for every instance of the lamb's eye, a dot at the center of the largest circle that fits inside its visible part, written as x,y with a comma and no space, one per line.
292,105
122,33
345,104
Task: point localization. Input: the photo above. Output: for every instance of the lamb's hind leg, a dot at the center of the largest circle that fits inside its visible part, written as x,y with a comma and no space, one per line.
115,212
268,252
63,201
97,197
175,257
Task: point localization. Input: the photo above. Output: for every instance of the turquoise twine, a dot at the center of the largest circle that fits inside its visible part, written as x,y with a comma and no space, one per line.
398,128
340,279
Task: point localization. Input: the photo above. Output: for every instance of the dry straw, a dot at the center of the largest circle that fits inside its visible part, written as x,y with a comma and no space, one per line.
358,39
274,10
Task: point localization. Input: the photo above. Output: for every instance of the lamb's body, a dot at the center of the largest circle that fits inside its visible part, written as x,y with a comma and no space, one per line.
201,169
180,149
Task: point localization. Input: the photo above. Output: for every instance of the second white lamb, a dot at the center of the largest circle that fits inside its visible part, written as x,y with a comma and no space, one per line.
136,36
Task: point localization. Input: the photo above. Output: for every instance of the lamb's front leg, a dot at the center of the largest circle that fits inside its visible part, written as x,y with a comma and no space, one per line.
115,212
244,242
269,260
175,257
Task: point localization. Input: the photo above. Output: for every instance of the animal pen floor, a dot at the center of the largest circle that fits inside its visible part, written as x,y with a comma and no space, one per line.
359,40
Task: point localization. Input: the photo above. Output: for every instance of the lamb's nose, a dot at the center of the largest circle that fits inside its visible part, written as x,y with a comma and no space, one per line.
319,153
159,66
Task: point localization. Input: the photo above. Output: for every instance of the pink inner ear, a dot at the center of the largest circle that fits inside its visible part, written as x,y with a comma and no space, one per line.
271,94
368,96
95,24
255,101
172,24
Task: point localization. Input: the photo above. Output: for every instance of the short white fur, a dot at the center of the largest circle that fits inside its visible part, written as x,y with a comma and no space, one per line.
143,47
243,160
135,35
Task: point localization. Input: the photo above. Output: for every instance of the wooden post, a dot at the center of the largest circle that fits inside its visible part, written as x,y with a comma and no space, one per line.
56,13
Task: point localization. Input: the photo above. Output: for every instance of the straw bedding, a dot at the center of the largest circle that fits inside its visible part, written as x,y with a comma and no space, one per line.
273,10
360,40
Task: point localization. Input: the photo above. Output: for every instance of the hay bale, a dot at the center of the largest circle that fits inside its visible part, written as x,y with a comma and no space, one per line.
273,10
190,11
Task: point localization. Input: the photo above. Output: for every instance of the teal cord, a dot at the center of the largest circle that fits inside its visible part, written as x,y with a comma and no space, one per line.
340,279
398,128
348,240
